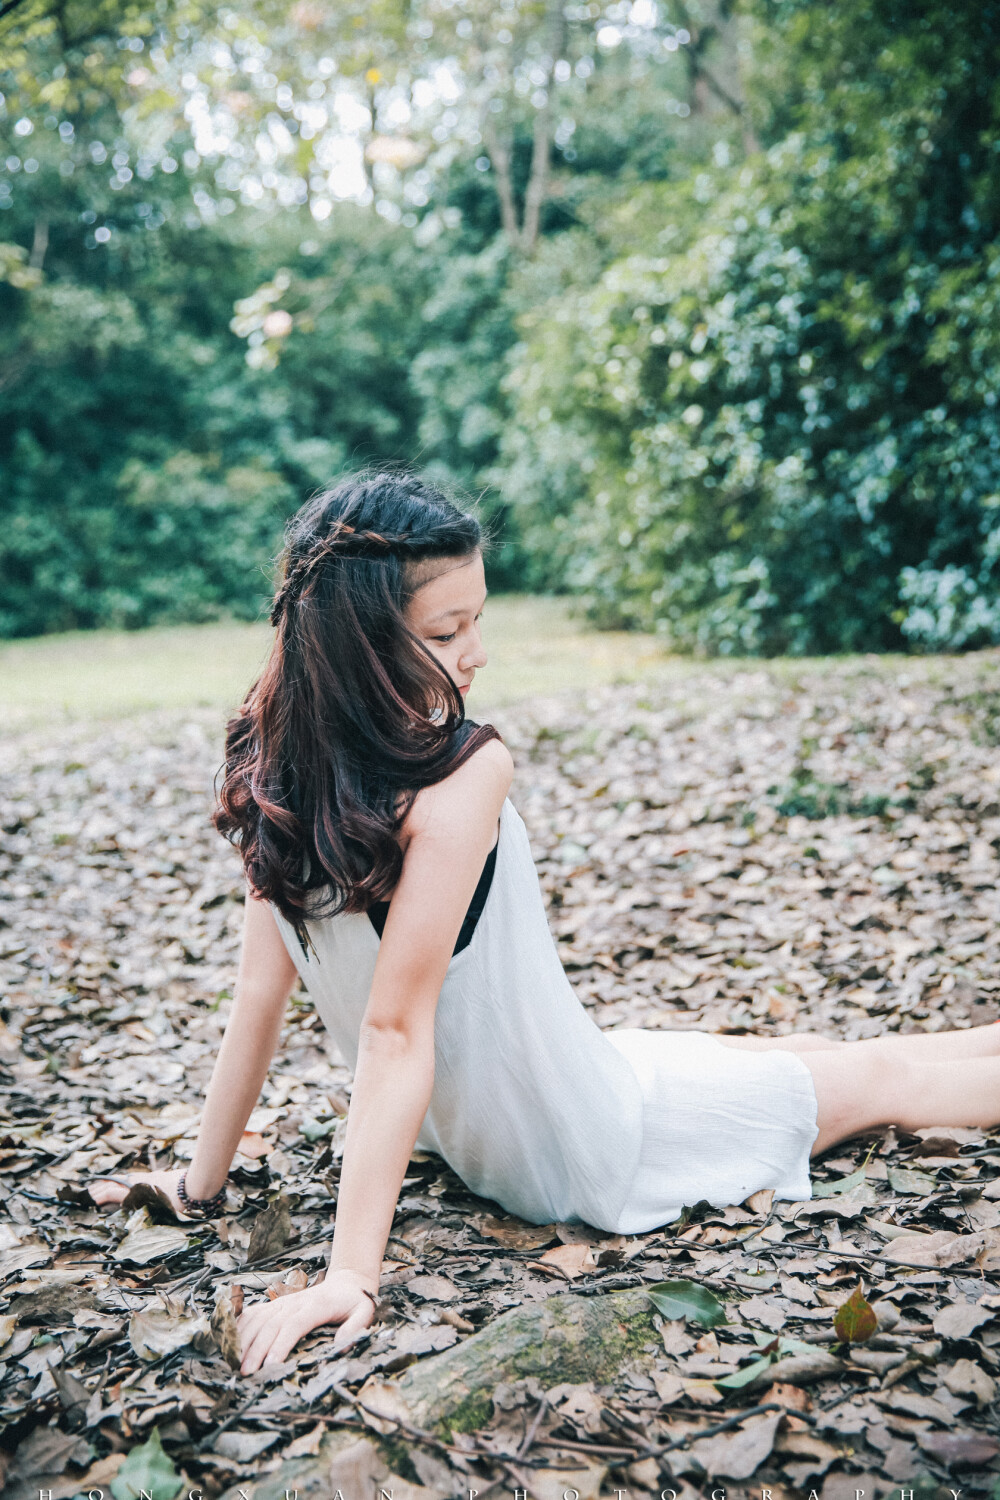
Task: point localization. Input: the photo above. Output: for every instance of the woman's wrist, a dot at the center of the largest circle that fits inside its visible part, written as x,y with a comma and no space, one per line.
367,1280
198,1199
205,1181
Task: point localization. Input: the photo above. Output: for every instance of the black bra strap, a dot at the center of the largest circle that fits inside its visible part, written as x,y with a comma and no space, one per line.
379,910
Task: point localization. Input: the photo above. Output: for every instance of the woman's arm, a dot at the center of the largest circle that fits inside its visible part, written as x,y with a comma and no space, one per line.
448,834
264,981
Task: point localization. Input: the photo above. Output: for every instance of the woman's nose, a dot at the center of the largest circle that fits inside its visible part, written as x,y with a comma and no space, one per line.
474,658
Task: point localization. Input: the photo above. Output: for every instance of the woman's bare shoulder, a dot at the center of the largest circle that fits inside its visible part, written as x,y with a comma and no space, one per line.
474,792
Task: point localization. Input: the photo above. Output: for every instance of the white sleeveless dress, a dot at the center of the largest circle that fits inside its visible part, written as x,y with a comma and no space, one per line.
538,1109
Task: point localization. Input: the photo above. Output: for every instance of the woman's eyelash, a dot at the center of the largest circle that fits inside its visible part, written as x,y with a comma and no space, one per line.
446,638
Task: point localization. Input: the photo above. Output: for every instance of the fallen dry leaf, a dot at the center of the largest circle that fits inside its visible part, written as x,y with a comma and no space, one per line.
959,1319
572,1260
228,1306
270,1231
966,1378
735,1455
943,1248
157,1331
145,1241
960,1450
254,1145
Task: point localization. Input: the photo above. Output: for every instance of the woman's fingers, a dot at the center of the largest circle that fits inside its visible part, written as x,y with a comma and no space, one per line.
351,1328
253,1350
273,1339
105,1190
283,1338
257,1328
250,1322
269,1331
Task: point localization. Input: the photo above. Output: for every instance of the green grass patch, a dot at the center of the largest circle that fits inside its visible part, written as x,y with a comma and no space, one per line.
535,648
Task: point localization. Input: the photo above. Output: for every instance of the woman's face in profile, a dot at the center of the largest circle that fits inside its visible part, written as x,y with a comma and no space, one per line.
444,614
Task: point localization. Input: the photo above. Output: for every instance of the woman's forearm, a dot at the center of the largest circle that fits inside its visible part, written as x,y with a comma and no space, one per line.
238,1076
393,1082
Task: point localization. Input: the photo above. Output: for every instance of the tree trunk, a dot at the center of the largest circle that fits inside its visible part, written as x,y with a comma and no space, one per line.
499,154
566,1337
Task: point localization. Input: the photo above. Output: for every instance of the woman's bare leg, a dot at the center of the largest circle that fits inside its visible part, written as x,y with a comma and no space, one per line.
795,1041
926,1046
857,1090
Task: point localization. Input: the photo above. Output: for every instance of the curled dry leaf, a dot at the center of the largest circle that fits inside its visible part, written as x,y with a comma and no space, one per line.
943,1248
571,1260
228,1306
514,1235
959,1319
578,1402
306,1445
270,1231
244,1447
254,1145
433,1288
145,1241
159,1330
554,1484
760,1203
799,1369
735,1455
293,1281
449,1315
960,1450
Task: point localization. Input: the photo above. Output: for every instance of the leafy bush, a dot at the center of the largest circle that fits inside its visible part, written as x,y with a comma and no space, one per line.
774,427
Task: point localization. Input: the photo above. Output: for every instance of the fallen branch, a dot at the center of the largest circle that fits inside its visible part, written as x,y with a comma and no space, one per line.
566,1337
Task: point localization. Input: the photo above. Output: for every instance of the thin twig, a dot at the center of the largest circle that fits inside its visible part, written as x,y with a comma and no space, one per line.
730,1422
626,1454
234,1416
520,1477
530,1435
417,1433
880,1255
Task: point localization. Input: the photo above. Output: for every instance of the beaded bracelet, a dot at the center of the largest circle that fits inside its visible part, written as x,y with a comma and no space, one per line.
205,1208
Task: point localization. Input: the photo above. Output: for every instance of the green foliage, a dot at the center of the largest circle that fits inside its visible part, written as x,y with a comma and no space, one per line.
855,1320
147,1470
721,358
774,426
148,468
806,796
180,368
688,1300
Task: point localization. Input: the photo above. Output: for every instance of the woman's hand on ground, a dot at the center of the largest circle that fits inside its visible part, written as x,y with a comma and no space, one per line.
270,1330
114,1190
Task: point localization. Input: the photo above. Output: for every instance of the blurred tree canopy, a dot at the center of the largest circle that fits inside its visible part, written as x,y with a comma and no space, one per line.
699,298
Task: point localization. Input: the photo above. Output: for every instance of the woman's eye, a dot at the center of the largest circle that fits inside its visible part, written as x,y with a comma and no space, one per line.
445,638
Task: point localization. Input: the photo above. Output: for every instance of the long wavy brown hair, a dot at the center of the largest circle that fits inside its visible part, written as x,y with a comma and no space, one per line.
352,713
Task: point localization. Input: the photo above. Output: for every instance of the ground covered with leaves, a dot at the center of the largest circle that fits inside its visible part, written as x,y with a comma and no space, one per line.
744,849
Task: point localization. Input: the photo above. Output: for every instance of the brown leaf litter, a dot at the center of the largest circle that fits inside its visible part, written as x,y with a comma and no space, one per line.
760,848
